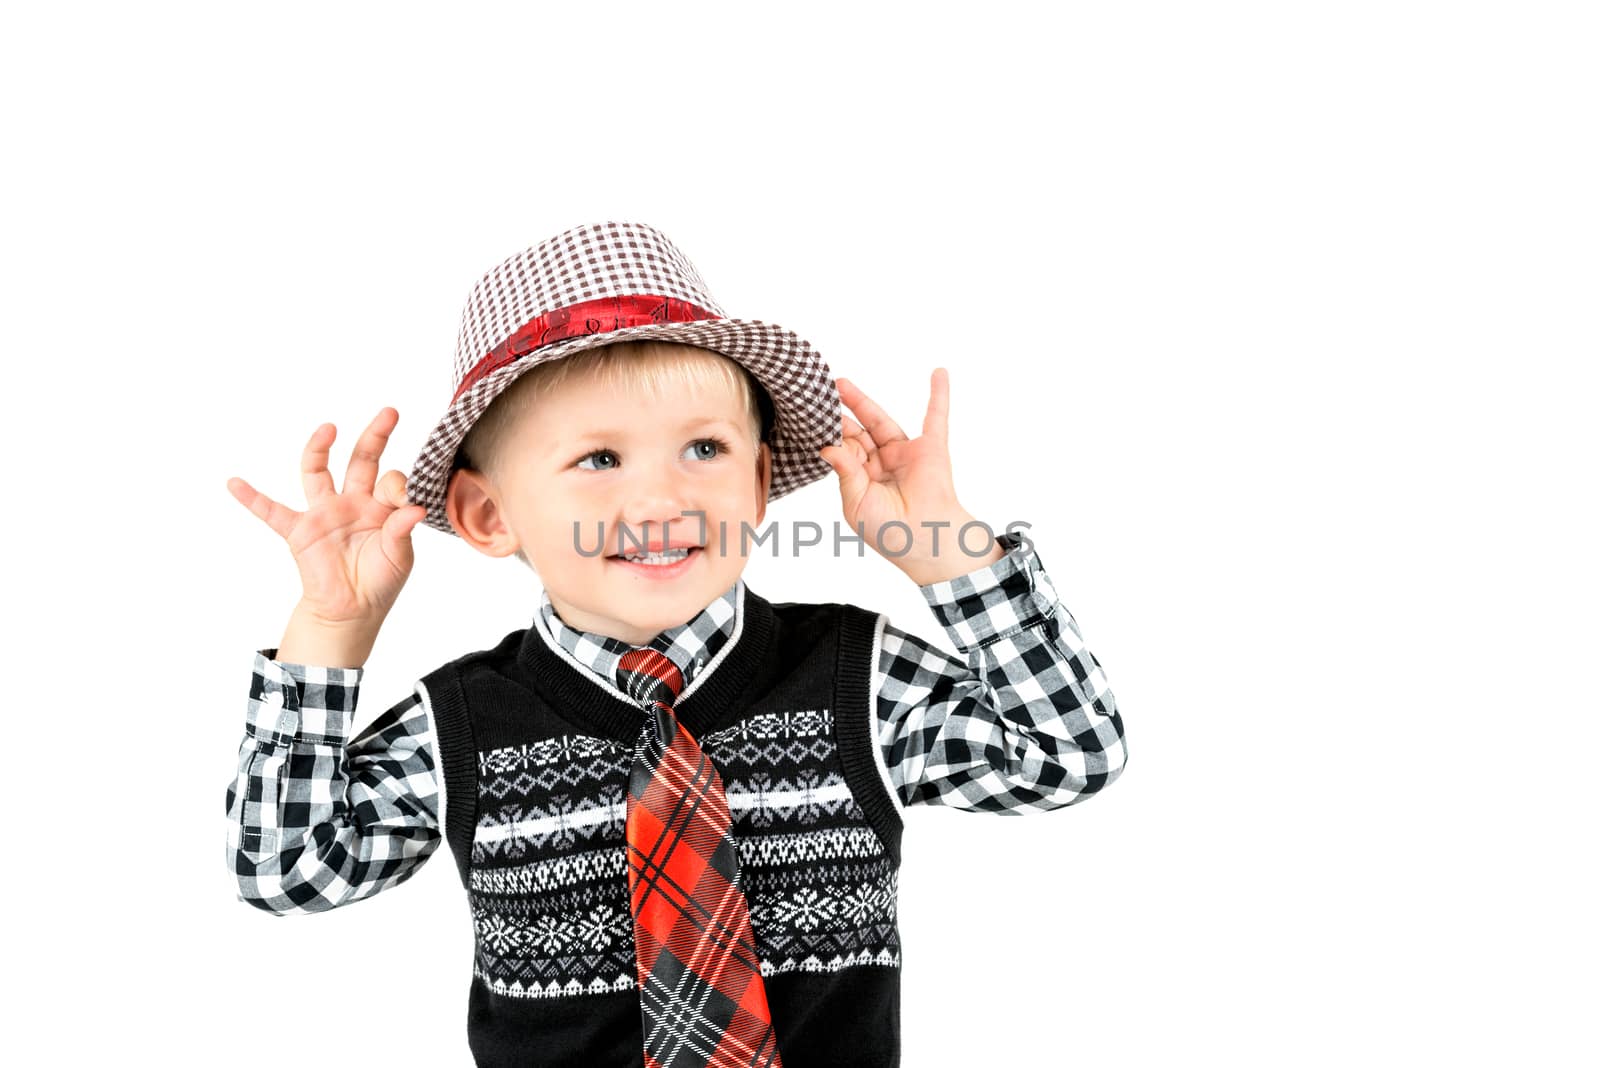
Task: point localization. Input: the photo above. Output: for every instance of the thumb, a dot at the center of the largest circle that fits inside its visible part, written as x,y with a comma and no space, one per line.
397,530
391,489
852,474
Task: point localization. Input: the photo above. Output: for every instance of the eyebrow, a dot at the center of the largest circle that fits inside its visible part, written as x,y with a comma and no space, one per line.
610,433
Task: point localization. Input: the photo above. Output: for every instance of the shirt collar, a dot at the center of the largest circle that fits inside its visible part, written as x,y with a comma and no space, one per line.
691,646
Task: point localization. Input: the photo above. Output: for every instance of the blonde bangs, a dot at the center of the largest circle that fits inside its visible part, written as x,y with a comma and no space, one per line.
650,367
647,366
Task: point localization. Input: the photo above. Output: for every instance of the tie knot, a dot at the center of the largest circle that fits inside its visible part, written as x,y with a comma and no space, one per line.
648,677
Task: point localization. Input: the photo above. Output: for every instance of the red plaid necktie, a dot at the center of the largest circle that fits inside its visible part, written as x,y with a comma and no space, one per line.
700,987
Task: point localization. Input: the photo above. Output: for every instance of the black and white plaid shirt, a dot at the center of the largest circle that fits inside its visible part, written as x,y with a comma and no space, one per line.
1023,721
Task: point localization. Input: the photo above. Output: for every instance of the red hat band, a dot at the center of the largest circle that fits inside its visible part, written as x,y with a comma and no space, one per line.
599,316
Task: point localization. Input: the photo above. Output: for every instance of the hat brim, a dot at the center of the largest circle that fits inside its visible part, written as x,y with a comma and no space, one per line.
805,401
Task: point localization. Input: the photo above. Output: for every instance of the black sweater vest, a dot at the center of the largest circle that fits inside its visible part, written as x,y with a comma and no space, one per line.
535,756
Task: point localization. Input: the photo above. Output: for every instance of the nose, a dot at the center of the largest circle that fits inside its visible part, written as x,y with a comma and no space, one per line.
656,495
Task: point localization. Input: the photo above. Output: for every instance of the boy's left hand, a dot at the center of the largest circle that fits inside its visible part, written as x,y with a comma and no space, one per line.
885,477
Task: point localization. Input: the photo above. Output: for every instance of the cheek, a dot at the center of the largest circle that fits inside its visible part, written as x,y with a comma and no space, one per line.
558,508
556,522
734,497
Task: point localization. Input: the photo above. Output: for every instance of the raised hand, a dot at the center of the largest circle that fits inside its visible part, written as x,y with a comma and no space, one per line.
886,477
353,547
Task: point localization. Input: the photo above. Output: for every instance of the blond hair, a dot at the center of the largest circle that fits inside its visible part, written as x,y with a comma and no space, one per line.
647,364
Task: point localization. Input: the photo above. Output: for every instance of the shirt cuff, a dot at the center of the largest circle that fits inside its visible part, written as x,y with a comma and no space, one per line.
996,601
300,702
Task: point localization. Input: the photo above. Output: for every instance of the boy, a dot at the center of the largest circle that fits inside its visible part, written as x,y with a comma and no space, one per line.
675,806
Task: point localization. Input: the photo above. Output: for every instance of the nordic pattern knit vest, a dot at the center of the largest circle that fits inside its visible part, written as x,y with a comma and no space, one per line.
535,755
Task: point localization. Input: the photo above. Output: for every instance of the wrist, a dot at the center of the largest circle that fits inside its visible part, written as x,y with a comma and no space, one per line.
952,555
312,639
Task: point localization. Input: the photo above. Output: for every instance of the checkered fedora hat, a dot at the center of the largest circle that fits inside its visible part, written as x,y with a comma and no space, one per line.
604,283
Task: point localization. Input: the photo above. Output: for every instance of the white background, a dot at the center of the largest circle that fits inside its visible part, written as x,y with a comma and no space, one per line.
1275,321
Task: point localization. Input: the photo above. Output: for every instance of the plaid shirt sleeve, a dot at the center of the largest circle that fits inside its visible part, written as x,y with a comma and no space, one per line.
314,822
1023,721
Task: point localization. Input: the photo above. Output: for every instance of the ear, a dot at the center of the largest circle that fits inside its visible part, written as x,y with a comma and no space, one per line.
763,479
470,505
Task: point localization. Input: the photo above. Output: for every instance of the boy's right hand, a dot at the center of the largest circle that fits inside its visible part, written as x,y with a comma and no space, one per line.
353,547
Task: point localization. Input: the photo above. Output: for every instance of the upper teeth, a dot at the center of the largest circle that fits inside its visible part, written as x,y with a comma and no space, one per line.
667,557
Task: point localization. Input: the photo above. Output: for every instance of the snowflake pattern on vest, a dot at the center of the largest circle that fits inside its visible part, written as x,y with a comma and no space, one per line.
548,881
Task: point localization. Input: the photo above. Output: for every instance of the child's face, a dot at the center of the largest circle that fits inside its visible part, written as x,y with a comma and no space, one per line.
588,456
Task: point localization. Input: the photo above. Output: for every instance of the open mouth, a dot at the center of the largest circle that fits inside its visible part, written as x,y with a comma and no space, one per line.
664,564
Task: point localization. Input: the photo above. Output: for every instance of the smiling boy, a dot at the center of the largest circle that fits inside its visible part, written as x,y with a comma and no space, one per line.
808,727
579,468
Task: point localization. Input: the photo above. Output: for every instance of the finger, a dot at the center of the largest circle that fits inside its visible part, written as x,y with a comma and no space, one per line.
862,448
397,528
269,511
855,433
363,468
856,430
936,424
875,419
314,474
391,489
852,475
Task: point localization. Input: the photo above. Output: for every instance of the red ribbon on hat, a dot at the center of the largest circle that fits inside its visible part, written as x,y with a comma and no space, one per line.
599,316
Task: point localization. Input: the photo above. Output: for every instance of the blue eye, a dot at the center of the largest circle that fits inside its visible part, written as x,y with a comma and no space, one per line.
718,447
592,455
703,449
